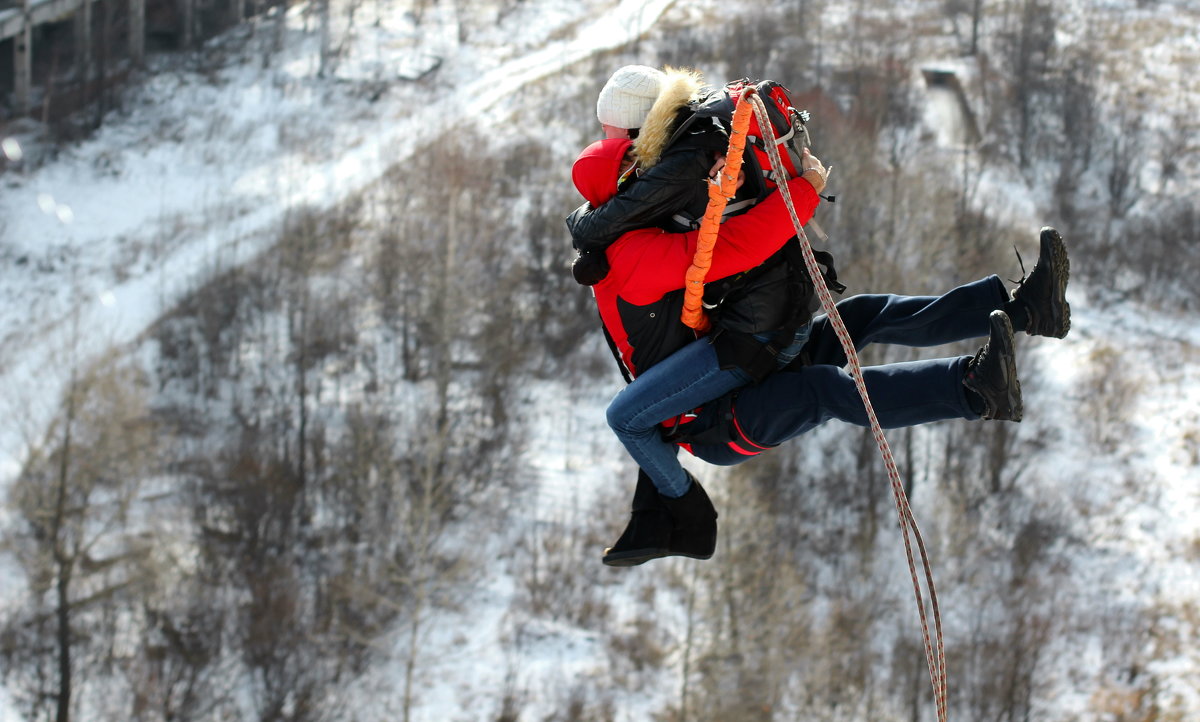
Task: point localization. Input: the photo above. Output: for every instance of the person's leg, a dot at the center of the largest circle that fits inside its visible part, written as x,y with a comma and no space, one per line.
792,403
671,513
902,394
1038,306
915,321
796,401
678,384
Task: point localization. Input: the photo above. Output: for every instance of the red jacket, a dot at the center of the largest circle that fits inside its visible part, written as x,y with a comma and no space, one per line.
641,297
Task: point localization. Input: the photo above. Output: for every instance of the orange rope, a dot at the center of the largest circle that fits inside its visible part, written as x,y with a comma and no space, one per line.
718,196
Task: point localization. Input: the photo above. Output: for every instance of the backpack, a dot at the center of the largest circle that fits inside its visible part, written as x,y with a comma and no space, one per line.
787,124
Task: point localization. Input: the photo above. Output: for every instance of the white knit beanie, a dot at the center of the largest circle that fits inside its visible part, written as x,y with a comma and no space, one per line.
627,96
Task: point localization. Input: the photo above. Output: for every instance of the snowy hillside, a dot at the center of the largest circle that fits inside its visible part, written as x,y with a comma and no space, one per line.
1066,549
195,173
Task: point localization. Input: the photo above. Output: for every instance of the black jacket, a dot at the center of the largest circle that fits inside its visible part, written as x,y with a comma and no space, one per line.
670,195
675,186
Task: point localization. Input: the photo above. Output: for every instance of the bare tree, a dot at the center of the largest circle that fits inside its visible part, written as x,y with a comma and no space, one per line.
1028,45
1124,180
974,8
76,540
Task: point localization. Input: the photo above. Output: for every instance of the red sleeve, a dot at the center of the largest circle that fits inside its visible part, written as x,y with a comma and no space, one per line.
751,238
656,261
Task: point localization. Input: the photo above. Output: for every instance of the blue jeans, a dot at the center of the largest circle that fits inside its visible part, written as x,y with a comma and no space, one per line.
676,385
789,353
800,398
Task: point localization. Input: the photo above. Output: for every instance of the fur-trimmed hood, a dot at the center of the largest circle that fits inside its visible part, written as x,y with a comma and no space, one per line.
680,86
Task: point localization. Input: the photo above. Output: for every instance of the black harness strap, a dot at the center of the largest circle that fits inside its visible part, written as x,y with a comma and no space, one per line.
725,432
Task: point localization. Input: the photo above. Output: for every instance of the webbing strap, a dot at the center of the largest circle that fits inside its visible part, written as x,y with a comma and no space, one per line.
935,656
688,222
779,140
616,352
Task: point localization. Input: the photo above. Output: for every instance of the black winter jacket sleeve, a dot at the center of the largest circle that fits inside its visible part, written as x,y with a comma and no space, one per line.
675,184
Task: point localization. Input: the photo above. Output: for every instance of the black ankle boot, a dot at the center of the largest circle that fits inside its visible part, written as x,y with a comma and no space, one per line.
694,531
992,374
1044,291
648,534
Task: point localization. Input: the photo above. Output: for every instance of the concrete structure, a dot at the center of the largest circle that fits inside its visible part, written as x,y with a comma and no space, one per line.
18,23
949,111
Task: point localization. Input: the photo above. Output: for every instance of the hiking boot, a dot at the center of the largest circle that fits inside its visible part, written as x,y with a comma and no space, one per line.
993,372
694,533
648,533
1044,291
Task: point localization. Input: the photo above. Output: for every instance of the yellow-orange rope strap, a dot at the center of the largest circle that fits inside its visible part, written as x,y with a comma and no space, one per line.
719,194
935,653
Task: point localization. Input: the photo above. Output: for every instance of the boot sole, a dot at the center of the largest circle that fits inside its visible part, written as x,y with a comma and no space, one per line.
1002,324
1053,248
634,557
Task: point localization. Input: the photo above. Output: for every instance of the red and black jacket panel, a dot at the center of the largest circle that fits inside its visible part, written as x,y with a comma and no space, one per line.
648,265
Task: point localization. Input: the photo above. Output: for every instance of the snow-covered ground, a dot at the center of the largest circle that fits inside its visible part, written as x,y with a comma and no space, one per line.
196,173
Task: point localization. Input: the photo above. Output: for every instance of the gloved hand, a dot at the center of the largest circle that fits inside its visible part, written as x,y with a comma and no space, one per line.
590,268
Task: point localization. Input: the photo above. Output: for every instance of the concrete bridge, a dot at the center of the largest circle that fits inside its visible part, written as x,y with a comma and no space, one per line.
20,18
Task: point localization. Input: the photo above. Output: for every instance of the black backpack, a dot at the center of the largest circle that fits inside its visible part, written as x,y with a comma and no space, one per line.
716,106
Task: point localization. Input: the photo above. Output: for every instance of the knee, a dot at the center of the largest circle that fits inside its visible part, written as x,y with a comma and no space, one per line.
825,385
619,415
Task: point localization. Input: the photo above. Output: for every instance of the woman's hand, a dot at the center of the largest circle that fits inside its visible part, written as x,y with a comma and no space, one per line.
720,164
